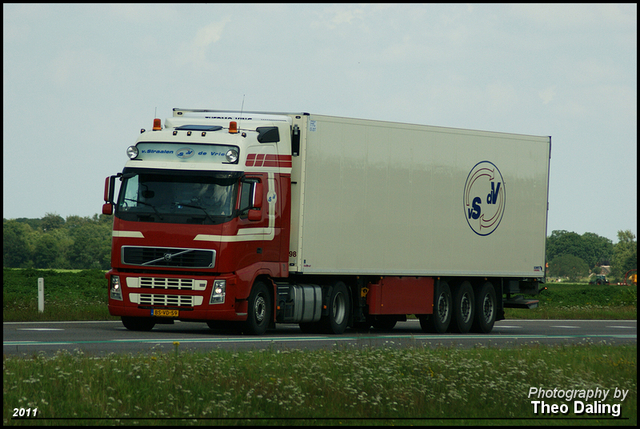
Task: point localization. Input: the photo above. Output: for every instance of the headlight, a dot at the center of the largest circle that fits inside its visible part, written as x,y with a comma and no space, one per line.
218,292
132,152
232,156
115,291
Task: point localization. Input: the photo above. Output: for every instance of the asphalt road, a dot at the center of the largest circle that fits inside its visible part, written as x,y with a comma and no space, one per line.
100,338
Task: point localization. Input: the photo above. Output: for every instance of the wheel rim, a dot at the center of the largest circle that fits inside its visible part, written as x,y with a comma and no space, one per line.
339,308
260,308
443,308
465,308
487,308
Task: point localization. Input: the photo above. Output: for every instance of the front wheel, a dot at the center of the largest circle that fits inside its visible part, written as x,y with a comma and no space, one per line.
260,310
138,323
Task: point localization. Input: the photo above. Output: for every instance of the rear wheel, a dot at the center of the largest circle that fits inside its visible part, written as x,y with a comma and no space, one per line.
463,308
259,310
438,322
485,309
138,323
338,317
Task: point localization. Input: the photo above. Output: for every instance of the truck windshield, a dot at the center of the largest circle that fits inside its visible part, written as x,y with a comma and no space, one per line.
177,197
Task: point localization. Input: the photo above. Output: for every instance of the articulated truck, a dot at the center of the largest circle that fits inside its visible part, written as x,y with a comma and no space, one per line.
251,219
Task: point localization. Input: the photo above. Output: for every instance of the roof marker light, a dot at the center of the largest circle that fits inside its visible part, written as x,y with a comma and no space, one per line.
157,124
233,127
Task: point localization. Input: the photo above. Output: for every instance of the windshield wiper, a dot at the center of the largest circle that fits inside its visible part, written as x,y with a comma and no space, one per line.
197,207
147,204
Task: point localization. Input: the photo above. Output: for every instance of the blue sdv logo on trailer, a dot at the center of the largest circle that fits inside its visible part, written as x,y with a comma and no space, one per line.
484,198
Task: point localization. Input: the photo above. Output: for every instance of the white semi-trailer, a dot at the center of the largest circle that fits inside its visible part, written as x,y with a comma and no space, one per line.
327,222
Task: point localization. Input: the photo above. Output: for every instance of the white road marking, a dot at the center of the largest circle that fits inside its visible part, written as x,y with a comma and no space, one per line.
39,329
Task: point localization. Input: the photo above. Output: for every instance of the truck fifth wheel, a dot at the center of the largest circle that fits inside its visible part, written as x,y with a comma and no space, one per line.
258,218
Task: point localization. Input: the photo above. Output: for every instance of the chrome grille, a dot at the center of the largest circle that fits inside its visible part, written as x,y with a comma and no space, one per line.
165,300
168,257
172,283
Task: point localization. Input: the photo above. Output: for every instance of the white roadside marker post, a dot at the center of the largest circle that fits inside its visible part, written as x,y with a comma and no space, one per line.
41,295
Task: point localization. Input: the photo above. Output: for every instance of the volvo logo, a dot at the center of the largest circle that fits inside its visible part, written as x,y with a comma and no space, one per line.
167,257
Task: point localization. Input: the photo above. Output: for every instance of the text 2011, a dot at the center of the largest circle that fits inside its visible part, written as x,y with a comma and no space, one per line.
24,412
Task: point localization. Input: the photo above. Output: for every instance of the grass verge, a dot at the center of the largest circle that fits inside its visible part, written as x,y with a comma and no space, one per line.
347,386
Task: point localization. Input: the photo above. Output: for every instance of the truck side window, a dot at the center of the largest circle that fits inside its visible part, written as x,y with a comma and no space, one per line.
246,195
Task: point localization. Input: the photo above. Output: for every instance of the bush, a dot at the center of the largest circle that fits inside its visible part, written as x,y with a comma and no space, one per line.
568,266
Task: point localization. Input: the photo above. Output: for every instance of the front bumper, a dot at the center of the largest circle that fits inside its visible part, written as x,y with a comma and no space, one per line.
190,296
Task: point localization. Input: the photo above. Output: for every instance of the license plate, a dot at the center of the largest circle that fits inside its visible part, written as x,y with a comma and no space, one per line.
159,312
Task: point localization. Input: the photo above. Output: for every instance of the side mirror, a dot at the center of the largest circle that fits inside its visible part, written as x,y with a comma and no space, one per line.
107,189
109,184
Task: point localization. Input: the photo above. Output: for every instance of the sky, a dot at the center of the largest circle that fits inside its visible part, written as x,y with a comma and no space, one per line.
80,81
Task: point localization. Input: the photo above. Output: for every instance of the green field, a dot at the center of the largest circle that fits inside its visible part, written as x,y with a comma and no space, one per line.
68,295
341,386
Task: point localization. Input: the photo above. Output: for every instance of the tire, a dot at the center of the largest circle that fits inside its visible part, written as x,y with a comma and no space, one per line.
222,325
338,317
486,309
260,310
463,308
384,323
138,323
439,321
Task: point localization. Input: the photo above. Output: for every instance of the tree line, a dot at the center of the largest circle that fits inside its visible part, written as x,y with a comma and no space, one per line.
573,256
54,242
85,243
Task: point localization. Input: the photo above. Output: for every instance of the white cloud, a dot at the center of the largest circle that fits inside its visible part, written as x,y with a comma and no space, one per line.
338,15
563,15
198,49
142,13
210,34
80,67
592,71
547,95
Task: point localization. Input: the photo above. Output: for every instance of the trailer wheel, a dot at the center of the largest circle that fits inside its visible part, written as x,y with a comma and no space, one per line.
338,317
463,308
138,323
260,310
438,322
485,309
